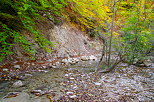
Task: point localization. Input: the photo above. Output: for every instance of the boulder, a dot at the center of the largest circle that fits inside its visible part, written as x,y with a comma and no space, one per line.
18,83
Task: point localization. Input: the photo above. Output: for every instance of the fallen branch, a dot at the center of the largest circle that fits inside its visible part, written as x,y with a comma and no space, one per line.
111,68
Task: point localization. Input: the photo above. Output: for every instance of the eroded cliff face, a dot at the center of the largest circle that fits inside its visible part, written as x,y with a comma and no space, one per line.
71,46
70,40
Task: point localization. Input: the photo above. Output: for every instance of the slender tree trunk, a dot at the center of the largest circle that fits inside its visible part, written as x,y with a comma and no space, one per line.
111,35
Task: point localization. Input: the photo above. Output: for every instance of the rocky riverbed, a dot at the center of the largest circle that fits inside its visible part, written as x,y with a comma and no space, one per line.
79,83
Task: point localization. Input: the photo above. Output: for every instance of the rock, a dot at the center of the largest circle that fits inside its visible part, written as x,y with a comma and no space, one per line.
69,93
84,58
5,69
92,57
148,63
57,63
72,60
66,75
36,91
28,75
18,84
45,71
123,65
71,78
54,67
33,64
75,87
43,66
17,97
17,66
39,92
65,61
73,96
77,59
98,84
12,94
49,60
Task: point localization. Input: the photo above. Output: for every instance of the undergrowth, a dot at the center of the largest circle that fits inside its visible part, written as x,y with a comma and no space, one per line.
19,15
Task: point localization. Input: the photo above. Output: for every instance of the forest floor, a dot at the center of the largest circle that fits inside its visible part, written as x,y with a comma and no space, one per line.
124,84
79,83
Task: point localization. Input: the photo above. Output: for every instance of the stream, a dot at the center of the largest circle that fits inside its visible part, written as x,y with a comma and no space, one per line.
79,83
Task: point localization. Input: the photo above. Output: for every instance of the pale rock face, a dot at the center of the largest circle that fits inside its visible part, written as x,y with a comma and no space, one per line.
69,41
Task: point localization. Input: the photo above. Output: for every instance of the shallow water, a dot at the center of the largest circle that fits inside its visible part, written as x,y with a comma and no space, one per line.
49,79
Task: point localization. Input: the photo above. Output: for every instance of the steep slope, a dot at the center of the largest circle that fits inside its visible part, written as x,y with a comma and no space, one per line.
70,42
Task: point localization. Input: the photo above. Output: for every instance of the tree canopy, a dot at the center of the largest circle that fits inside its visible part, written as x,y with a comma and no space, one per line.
132,17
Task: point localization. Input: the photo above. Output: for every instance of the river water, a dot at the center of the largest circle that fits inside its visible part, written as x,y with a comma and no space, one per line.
79,83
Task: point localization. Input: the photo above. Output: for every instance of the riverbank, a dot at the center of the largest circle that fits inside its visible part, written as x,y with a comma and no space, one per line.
79,82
